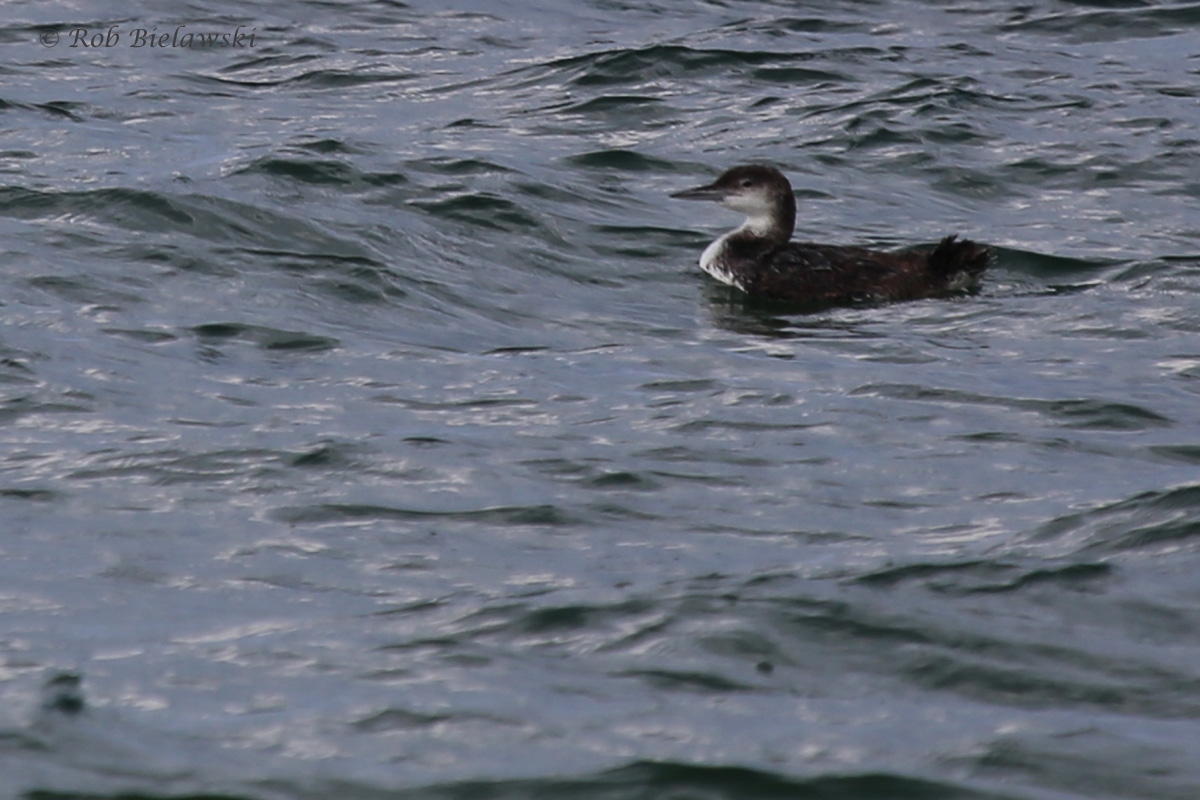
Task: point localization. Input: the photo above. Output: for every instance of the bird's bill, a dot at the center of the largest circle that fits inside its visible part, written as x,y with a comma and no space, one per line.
709,192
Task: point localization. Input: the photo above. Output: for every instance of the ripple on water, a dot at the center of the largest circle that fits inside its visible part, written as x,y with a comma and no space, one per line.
327,513
1081,413
1157,522
1083,24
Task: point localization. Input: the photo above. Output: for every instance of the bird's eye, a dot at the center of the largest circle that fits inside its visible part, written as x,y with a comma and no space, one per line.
747,183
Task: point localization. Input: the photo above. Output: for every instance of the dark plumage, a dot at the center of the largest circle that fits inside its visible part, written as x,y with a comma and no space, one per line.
760,259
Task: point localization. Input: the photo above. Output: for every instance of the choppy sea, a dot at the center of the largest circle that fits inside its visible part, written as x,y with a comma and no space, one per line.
367,429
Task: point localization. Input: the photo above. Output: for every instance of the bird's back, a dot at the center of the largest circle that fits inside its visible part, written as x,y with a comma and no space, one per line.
803,271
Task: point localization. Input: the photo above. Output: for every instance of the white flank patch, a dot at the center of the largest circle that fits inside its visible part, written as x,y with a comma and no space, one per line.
711,262
961,281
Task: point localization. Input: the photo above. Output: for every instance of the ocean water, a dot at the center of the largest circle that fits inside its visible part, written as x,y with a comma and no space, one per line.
367,429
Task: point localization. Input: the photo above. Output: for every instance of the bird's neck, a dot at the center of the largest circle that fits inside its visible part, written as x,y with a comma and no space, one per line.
773,225
774,228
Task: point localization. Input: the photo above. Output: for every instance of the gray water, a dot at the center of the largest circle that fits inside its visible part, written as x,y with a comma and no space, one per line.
368,429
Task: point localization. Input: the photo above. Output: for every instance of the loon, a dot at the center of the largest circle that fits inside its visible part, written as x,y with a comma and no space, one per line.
760,259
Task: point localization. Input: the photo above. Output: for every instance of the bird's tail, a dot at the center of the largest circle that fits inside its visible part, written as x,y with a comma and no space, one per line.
953,256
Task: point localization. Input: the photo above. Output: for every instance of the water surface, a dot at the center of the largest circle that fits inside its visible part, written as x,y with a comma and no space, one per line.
368,428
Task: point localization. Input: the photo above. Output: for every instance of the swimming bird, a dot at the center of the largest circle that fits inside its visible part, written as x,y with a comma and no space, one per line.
761,259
